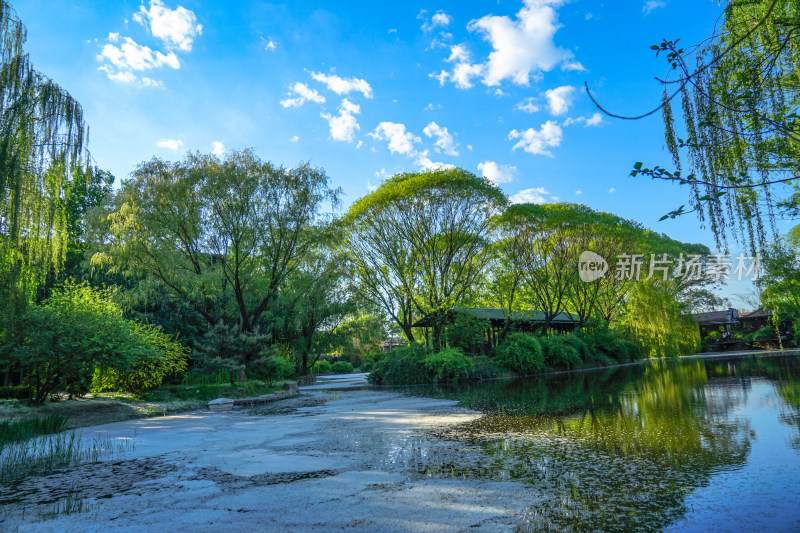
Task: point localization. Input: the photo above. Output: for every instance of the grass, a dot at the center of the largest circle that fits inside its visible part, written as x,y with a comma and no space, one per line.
48,453
19,430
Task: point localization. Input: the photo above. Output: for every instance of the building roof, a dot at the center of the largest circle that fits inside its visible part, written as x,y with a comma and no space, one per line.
758,313
487,313
727,316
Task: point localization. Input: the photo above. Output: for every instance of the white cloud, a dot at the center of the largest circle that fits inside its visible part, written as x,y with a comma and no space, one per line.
133,56
528,105
651,5
578,192
294,139
431,107
497,173
612,190
424,162
269,45
594,121
343,85
572,66
218,148
534,195
170,144
175,27
536,142
444,140
344,125
304,94
559,99
440,19
150,82
400,140
121,77
522,48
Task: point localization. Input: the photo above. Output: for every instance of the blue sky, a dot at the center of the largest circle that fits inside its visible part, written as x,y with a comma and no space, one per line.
366,90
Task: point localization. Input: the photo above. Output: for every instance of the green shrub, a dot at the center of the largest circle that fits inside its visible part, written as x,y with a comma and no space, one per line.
79,333
272,368
20,392
580,346
607,347
559,353
401,366
323,366
450,365
520,353
486,368
714,335
367,364
767,332
341,367
466,332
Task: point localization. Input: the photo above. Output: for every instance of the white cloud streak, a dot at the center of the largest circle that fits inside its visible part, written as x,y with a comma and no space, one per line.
303,94
341,85
538,141
497,173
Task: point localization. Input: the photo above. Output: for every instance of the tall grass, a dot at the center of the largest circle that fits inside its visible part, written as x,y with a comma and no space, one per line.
17,430
45,454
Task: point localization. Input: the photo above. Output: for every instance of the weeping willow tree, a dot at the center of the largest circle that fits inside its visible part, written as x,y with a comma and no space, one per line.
737,147
42,142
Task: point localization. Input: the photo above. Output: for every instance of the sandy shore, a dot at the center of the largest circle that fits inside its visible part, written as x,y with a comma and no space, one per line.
355,461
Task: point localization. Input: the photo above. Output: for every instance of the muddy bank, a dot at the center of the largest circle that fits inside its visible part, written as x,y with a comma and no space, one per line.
355,461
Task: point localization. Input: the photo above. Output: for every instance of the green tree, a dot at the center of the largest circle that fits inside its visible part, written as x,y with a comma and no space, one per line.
423,239
223,235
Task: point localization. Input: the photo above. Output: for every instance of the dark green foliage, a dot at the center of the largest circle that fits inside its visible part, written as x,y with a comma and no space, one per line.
608,347
78,334
521,353
341,367
450,365
21,392
765,333
366,365
401,366
580,346
227,347
270,369
19,430
486,368
559,353
466,332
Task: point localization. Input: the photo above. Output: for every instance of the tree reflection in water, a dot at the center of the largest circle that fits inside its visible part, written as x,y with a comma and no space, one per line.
616,450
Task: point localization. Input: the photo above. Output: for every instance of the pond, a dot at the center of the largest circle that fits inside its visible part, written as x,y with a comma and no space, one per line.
690,445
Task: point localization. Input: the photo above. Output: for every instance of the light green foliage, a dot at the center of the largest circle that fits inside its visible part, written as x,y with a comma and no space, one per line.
520,353
659,322
560,353
607,346
420,242
449,366
322,366
78,332
341,367
714,335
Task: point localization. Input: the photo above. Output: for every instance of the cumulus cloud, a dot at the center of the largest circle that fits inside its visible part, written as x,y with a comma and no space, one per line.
650,5
538,141
400,140
612,190
344,125
122,56
269,45
535,195
444,140
528,105
594,121
294,139
440,19
424,162
218,148
175,27
341,85
578,192
170,144
560,98
522,48
497,173
303,94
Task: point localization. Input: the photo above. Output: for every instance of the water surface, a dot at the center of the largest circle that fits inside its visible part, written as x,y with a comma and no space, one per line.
693,445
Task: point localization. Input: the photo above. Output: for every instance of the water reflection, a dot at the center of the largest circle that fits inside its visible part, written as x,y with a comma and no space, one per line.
625,449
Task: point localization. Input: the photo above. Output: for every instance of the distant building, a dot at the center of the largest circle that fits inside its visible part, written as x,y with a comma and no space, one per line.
756,319
717,320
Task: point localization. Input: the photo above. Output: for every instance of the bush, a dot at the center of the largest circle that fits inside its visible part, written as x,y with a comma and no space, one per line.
714,335
341,367
486,368
79,333
450,365
401,366
466,332
559,353
765,333
520,353
607,347
323,366
367,364
20,392
272,368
